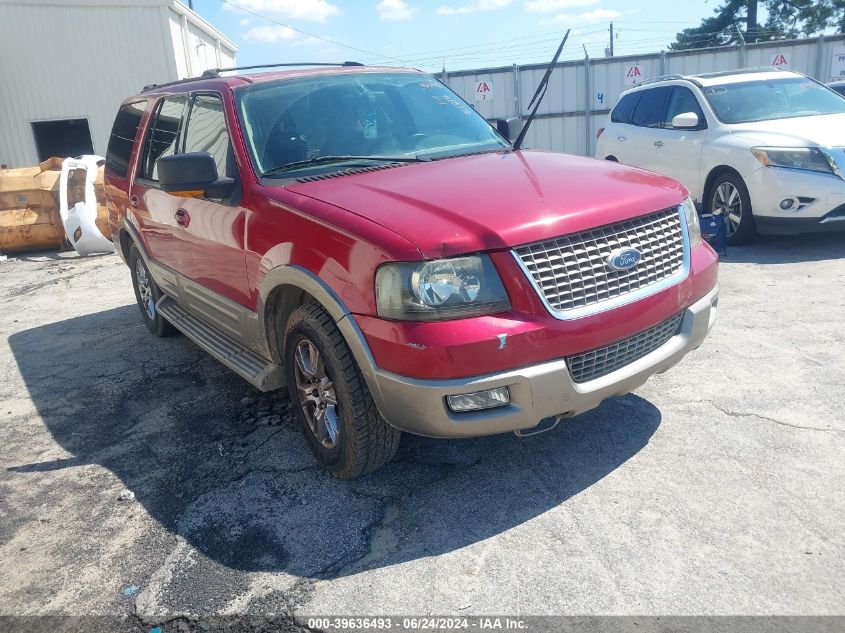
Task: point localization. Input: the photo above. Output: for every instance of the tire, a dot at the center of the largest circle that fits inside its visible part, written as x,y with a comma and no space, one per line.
147,293
729,196
349,438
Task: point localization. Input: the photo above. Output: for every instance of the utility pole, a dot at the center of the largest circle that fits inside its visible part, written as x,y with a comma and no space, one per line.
751,26
611,40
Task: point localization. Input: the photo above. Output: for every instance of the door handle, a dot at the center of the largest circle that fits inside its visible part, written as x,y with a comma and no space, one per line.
133,202
658,143
183,218
620,138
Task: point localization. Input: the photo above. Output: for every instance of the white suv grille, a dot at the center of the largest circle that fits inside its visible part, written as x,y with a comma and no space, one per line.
572,272
600,362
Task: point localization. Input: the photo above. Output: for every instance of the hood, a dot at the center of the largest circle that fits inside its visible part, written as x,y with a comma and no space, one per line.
827,130
496,200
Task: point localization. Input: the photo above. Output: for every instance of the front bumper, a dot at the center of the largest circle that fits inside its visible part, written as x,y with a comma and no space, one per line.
820,201
537,392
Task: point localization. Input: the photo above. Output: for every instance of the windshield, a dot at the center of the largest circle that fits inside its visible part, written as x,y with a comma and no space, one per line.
772,99
360,117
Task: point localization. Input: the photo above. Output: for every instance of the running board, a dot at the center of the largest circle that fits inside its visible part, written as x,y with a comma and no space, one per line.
256,370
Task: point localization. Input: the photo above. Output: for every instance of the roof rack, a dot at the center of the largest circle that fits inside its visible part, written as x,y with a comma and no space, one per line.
654,80
213,73
739,71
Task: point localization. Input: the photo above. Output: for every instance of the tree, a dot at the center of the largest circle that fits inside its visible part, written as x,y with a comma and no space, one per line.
785,19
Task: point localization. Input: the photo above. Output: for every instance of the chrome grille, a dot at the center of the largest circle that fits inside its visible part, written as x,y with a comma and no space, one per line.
603,360
572,272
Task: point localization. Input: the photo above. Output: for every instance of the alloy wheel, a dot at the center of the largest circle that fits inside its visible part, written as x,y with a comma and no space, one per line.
317,395
145,289
727,202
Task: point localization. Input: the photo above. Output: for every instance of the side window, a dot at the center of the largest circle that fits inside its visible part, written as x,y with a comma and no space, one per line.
651,108
123,137
162,135
683,100
206,132
625,108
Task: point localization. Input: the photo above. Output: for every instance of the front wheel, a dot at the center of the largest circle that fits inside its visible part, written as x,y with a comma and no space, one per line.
729,198
344,429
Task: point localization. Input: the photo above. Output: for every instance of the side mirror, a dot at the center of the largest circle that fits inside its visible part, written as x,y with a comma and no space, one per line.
510,127
685,120
191,173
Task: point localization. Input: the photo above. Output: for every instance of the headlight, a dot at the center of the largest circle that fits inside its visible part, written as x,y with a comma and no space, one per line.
808,158
441,289
693,226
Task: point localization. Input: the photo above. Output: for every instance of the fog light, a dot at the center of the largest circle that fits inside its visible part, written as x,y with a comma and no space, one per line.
478,400
787,203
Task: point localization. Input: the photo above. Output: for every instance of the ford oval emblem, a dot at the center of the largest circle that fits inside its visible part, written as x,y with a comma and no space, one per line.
624,258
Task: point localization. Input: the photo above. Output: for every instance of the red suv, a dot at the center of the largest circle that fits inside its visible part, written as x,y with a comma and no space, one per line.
364,238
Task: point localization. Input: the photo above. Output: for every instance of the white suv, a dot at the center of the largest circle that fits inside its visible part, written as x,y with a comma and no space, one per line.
765,148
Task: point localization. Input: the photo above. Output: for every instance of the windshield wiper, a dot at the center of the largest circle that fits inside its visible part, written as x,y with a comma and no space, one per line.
539,94
337,159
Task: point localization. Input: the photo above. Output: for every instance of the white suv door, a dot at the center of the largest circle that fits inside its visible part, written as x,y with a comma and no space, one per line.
646,120
676,152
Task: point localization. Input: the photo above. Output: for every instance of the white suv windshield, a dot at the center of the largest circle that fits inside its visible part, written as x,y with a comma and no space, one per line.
303,123
772,99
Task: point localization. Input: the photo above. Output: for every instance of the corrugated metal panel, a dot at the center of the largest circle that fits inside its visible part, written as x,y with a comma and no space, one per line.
203,50
74,62
227,57
502,100
179,51
62,61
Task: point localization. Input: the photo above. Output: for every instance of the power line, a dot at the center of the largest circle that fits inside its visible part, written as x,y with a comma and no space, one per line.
494,46
319,37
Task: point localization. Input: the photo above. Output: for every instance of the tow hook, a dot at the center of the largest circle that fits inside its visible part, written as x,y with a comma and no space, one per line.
546,424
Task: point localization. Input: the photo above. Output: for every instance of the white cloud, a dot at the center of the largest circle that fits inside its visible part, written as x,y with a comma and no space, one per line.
472,7
270,34
596,15
244,22
313,10
550,6
395,10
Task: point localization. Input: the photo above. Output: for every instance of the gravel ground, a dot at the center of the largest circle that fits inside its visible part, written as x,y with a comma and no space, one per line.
715,489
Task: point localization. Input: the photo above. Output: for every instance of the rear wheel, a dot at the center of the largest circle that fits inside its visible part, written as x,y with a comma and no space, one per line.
729,198
344,429
147,294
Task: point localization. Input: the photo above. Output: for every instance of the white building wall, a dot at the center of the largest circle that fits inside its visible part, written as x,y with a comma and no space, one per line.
68,59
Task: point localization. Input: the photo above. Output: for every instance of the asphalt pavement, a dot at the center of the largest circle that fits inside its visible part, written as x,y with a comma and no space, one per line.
715,489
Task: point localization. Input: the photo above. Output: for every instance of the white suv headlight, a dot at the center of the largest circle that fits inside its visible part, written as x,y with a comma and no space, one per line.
693,226
440,289
807,158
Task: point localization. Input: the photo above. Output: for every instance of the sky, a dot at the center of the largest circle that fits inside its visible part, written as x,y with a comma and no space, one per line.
462,34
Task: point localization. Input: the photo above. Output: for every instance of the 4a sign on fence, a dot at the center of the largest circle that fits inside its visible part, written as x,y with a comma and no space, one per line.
779,60
483,90
633,75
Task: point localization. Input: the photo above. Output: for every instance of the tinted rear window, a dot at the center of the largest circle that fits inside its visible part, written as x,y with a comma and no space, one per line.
123,137
162,135
625,108
651,107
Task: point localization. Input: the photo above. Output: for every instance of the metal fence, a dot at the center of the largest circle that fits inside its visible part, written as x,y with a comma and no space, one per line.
581,93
